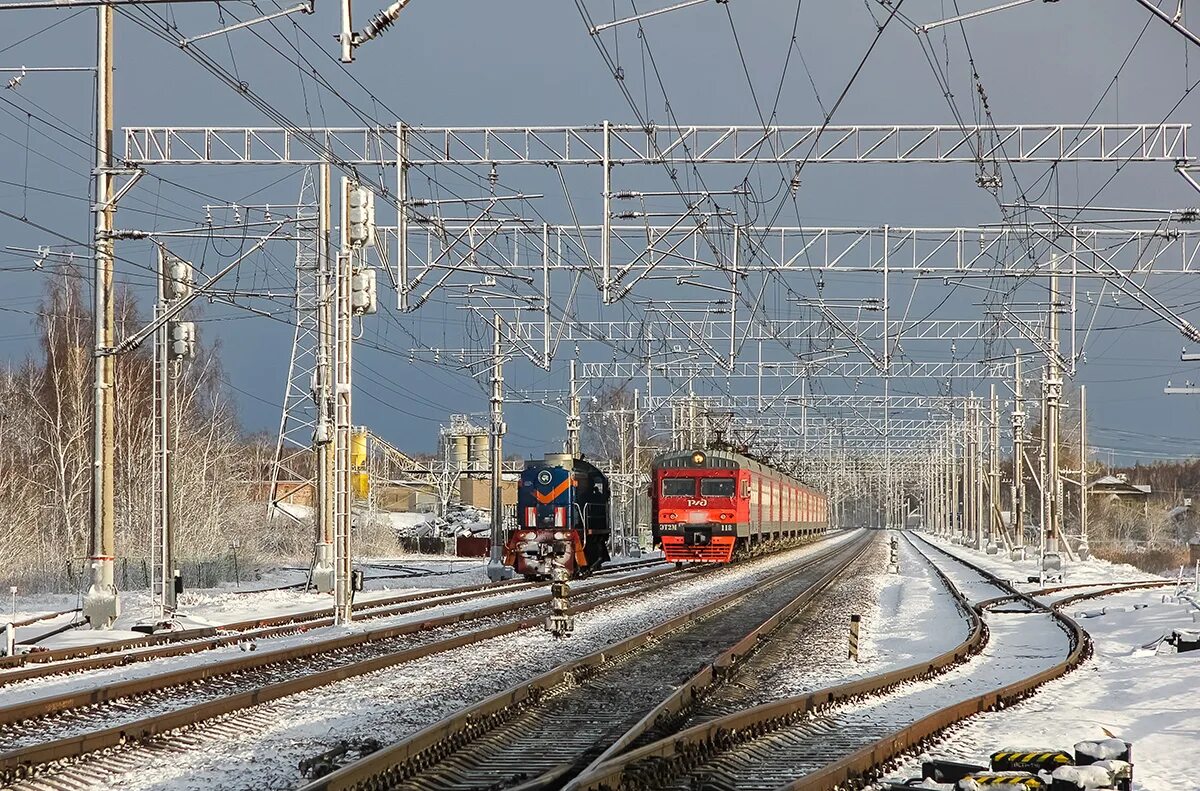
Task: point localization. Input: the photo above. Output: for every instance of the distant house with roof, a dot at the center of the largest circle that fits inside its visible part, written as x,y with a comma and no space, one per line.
1117,488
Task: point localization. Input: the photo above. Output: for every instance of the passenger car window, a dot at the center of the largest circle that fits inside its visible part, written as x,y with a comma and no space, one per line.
679,487
716,487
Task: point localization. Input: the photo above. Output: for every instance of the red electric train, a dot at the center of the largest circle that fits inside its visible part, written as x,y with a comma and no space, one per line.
707,504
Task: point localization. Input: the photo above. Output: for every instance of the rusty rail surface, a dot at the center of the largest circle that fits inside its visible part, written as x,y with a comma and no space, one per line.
25,761
73,659
387,766
621,772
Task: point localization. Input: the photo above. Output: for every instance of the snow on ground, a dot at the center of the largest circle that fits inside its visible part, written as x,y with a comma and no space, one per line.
393,703
266,597
909,603
1136,693
61,684
896,611
1018,572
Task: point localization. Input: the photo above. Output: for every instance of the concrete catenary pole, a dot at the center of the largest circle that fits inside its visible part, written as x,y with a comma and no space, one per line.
101,605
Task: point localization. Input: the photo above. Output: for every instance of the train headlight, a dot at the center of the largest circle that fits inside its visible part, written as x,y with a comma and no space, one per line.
727,516
560,536
698,458
528,536
672,516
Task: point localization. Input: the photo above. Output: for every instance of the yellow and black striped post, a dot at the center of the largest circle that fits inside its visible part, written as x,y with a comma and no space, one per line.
855,621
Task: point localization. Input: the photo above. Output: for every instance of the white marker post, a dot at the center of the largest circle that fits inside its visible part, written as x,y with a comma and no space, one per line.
855,621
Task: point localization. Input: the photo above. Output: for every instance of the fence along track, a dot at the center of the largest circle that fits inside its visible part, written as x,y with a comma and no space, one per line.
20,762
497,727
73,659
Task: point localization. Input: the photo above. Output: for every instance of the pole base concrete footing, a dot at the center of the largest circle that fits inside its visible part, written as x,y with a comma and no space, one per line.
497,571
101,606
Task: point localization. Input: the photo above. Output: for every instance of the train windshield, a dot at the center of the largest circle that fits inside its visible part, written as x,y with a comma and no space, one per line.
716,487
679,487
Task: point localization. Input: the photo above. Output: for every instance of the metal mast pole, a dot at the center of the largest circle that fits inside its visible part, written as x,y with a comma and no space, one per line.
573,415
1083,474
995,528
887,413
1053,386
496,569
343,493
1018,487
980,477
955,514
968,493
165,442
101,605
637,470
323,432
606,236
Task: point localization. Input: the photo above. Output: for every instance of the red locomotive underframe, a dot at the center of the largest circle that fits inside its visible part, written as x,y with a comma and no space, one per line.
763,504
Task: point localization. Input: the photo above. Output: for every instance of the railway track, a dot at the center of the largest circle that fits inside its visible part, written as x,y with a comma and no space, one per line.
43,730
587,705
847,734
121,653
284,705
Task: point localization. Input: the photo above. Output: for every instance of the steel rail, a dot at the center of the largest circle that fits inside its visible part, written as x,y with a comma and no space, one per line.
392,764
25,761
711,674
624,772
120,653
72,700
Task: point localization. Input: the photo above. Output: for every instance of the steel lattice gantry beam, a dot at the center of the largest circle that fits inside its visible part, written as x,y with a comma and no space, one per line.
816,401
632,145
687,248
685,369
659,326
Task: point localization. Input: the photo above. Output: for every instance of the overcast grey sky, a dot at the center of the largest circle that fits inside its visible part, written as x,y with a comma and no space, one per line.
465,62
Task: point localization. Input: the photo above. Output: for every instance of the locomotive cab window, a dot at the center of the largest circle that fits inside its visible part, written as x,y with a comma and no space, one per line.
716,487
679,487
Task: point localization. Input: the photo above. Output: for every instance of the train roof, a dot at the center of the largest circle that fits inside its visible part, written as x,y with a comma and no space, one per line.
566,461
719,459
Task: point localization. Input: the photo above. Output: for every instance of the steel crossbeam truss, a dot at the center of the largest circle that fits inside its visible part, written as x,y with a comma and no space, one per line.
699,369
998,251
713,304
632,145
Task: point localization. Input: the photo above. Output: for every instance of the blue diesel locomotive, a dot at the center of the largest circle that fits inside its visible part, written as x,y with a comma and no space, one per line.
562,517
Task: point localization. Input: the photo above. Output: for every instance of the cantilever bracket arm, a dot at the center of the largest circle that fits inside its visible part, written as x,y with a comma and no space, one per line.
1173,21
